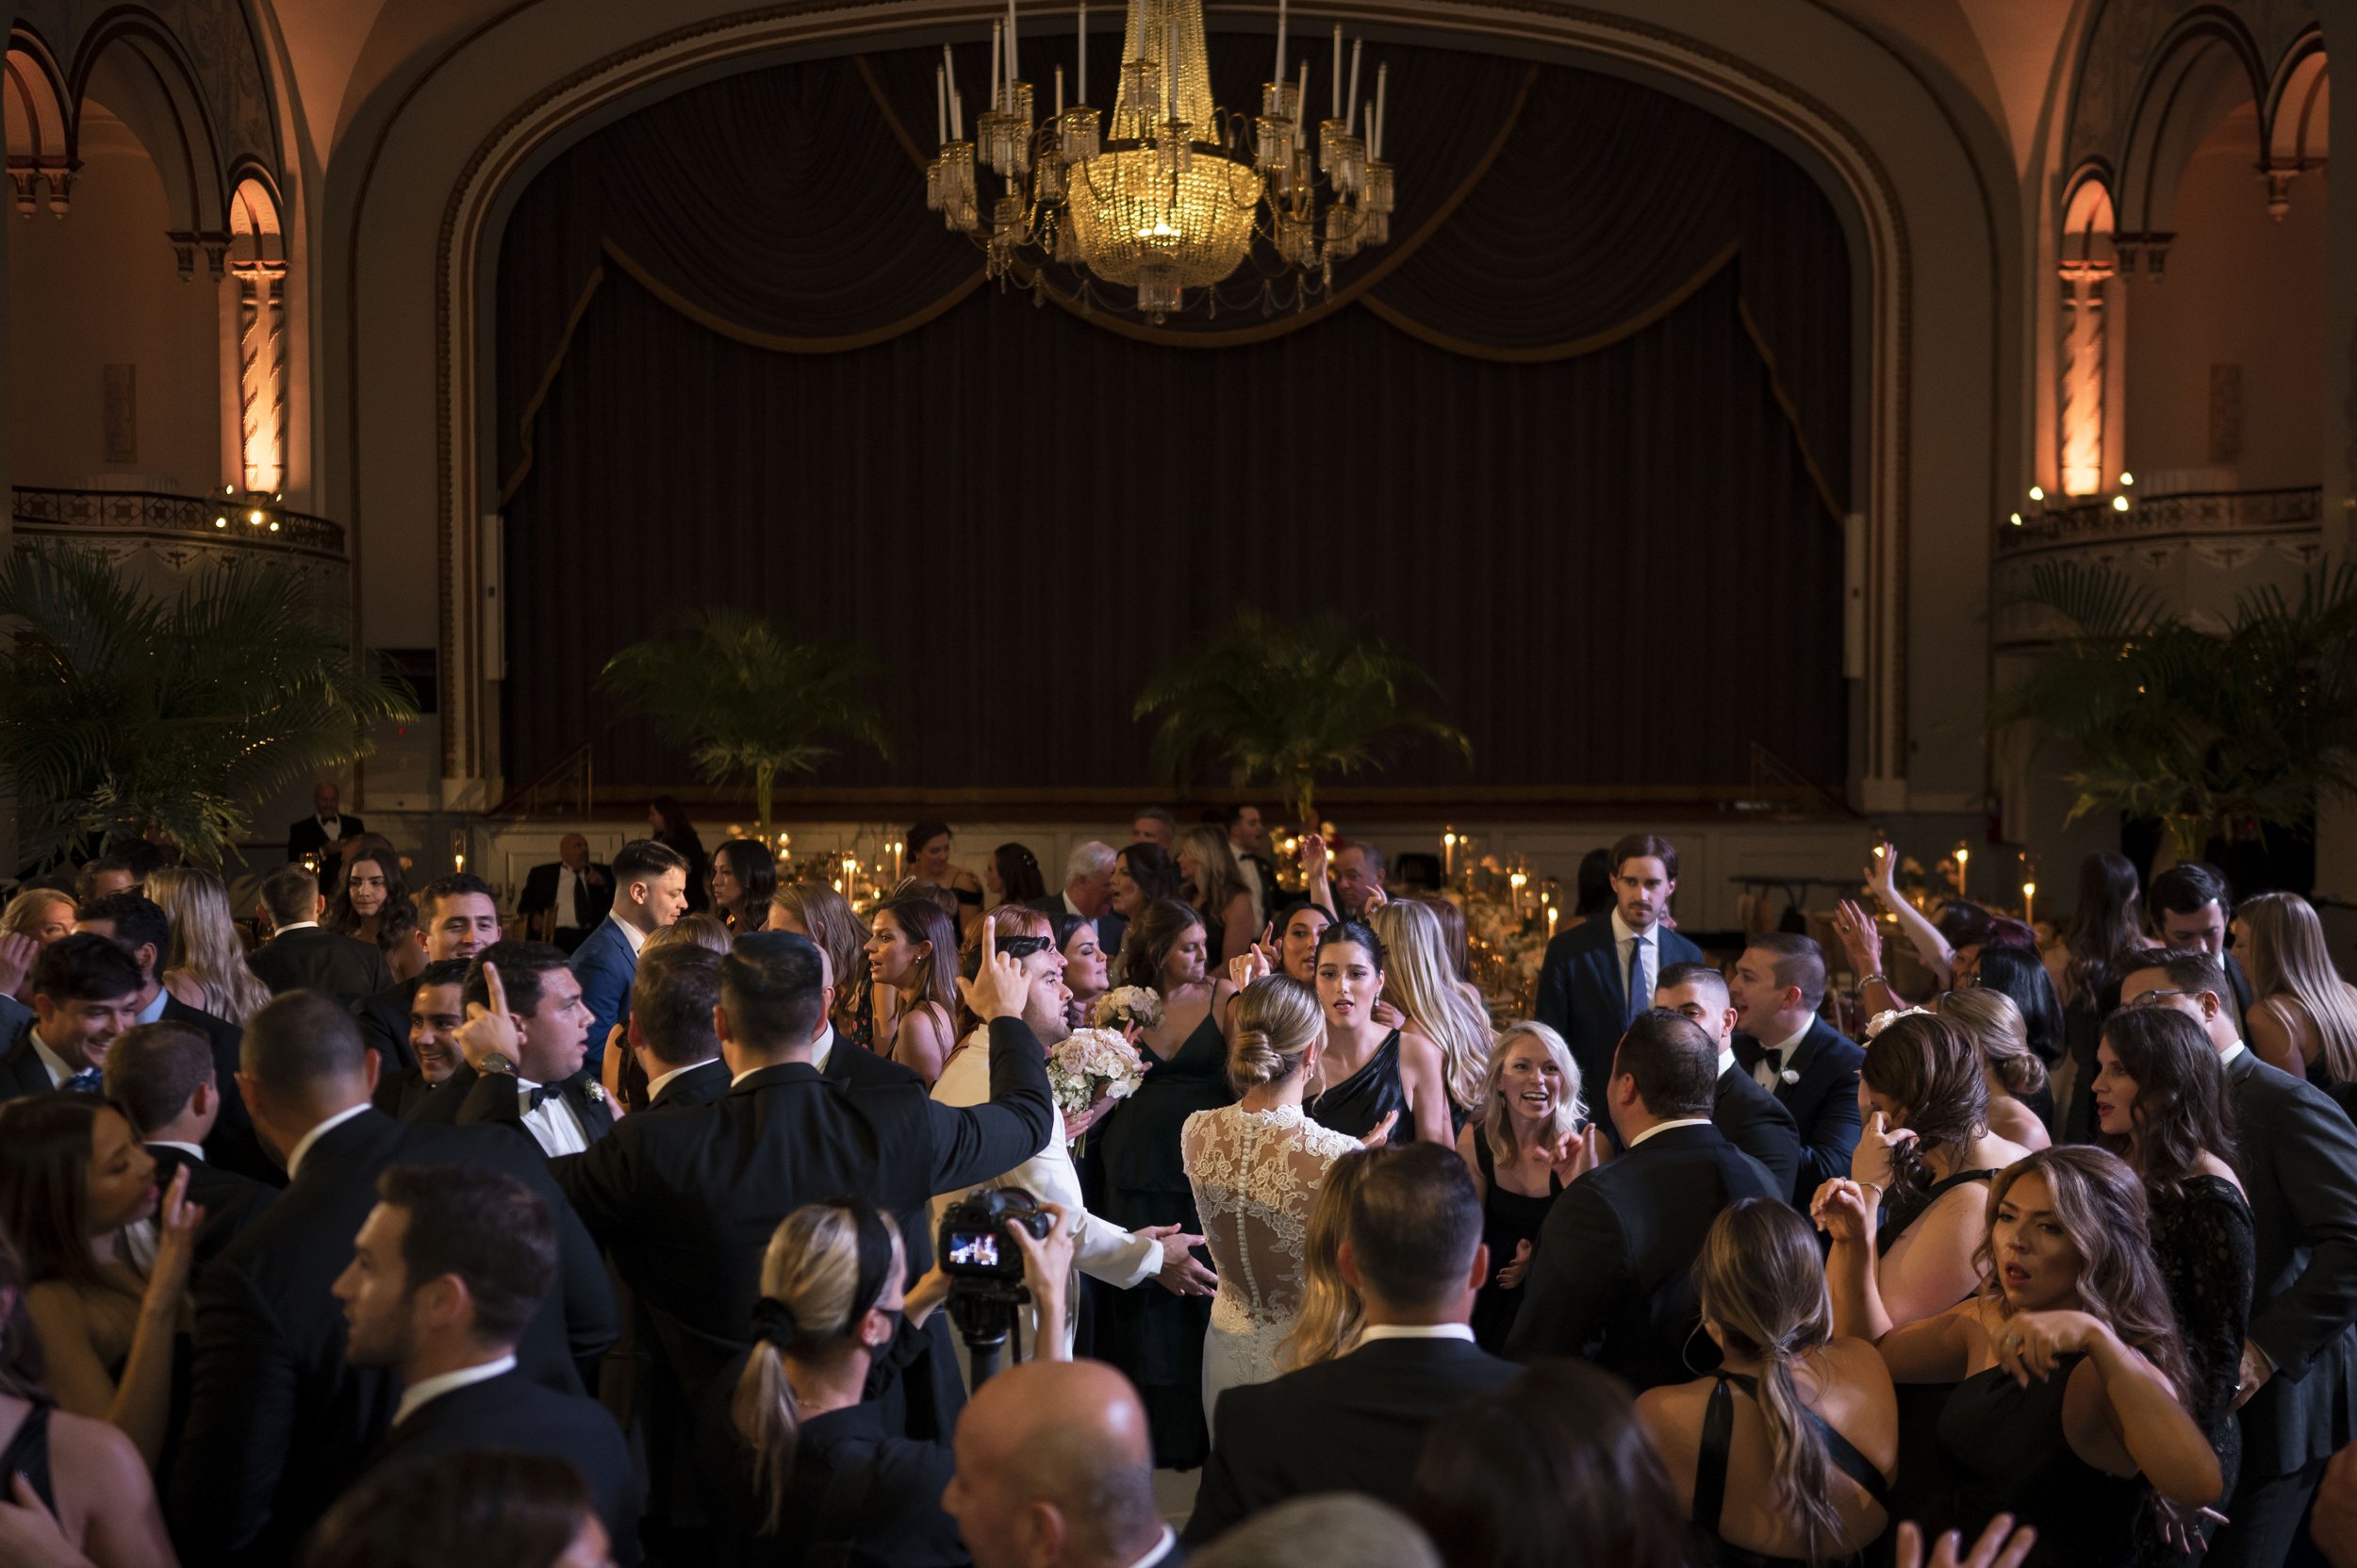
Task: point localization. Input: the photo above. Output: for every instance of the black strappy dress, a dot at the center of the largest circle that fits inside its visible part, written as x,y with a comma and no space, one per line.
1924,1492
1711,1476
1507,1219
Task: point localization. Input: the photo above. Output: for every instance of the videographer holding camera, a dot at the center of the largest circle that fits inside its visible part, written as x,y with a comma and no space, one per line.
830,1481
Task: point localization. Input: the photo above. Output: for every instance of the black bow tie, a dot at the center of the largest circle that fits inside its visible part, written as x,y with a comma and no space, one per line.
540,1093
1751,1053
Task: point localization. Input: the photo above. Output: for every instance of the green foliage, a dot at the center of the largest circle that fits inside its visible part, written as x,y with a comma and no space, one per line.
126,716
2174,722
1291,702
745,699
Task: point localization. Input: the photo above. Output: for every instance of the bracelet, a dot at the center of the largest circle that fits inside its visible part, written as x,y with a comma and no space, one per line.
1874,1187
1877,978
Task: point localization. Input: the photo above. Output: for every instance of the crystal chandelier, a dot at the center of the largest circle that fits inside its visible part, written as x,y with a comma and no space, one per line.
1174,194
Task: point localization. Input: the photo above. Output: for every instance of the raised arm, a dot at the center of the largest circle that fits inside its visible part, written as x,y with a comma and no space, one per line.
973,1144
2137,1423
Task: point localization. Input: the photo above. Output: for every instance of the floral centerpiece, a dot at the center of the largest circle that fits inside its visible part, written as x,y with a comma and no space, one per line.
1505,948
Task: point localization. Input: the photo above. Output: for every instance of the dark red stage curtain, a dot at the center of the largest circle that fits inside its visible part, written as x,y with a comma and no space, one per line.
1578,440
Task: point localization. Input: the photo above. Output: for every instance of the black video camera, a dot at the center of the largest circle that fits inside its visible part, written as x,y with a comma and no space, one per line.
977,1240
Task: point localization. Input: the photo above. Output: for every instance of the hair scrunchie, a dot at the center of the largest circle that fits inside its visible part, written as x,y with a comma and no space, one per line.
773,1321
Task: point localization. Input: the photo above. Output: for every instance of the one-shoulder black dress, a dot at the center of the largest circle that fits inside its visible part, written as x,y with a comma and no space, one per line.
1355,1106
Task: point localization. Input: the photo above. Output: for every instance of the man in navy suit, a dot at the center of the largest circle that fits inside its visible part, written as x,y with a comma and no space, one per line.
649,892
1745,1113
1600,975
1788,1049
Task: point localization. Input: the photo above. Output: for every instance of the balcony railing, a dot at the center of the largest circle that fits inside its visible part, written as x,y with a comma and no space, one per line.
248,523
2201,513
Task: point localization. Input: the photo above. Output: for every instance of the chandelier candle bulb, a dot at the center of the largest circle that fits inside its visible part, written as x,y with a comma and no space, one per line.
1015,72
1059,93
1355,44
1375,130
1170,68
997,66
1338,71
1278,74
1302,98
941,105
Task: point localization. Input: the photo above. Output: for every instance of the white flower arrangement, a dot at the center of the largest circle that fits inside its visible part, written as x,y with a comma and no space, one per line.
1125,1005
1093,1064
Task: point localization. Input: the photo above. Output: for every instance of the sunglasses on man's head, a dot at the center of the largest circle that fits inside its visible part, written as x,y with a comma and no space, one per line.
1023,947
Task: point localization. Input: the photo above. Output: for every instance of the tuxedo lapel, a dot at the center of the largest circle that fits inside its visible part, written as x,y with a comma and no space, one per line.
591,1110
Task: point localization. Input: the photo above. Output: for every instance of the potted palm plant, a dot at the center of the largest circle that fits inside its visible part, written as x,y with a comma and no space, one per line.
124,716
747,700
2168,720
1291,703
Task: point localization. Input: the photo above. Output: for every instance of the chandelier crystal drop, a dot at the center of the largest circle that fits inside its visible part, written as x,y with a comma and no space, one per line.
1171,193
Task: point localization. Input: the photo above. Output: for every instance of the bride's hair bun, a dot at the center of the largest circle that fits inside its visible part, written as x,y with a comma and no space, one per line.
1277,1020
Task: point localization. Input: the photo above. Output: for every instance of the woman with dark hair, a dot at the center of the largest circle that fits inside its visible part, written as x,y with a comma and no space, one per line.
1591,888
1298,942
668,823
86,1473
1797,1469
743,875
815,910
72,1178
1086,970
490,1509
1924,1163
1143,875
2020,1105
371,900
2019,973
913,952
2163,1104
928,847
1156,1337
2072,1383
1012,876
2108,921
1365,1072
1552,1469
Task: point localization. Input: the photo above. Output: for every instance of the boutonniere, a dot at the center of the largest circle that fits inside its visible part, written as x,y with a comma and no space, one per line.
1790,1076
596,1092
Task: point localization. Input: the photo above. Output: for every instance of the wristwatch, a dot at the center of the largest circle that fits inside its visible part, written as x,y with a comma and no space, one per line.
496,1063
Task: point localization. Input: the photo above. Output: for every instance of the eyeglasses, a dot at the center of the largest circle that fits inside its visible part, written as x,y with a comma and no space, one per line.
2158,998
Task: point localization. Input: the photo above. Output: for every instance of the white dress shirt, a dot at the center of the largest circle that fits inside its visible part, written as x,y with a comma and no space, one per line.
1726,1060
193,1151
1664,1127
655,1085
426,1390
303,1145
631,933
551,1123
53,1064
153,1011
1249,872
820,1054
1766,1076
1162,1548
294,925
568,911
2223,1057
1414,1331
1100,1249
1623,936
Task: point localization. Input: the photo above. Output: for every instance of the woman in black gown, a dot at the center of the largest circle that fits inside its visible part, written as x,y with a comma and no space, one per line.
1365,1072
1156,1337
2073,1385
1523,1145
2162,1102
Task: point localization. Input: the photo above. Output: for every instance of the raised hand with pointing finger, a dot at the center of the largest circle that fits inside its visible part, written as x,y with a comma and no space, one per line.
489,1039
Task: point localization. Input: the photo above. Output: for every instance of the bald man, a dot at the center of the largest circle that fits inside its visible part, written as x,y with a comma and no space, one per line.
1056,1470
564,901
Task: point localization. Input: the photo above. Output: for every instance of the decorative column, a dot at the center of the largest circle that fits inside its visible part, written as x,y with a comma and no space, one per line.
262,373
2084,355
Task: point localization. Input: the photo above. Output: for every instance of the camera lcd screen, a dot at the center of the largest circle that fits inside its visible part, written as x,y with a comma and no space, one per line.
974,1248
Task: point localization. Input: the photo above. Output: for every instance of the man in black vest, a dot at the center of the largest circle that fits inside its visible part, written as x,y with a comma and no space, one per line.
445,1275
2297,1386
1412,1249
1612,1278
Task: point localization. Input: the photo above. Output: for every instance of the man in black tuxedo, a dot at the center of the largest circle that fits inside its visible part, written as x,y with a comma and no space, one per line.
1247,839
321,832
1599,975
278,1424
1056,1470
685,1201
86,993
437,1007
1088,892
564,900
162,1076
446,1274
1412,1250
1746,1115
2299,1167
670,1033
1788,1048
301,956
2191,905
142,928
1612,1278
457,918
542,1090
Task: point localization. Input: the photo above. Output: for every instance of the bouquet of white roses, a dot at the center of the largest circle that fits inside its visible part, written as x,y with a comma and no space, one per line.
1090,1064
1125,1005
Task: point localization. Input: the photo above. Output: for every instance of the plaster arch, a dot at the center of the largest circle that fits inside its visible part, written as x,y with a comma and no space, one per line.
138,71
415,218
40,113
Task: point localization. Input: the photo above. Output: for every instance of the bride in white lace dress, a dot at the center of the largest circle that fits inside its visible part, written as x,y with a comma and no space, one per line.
1255,1167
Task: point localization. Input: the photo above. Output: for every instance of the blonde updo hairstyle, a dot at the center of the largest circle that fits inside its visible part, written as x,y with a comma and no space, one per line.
1278,1021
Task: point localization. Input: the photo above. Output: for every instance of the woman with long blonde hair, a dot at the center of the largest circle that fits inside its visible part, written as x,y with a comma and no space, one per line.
206,969
1419,981
823,1472
1786,1452
2304,1019
1523,1146
1329,1322
1216,890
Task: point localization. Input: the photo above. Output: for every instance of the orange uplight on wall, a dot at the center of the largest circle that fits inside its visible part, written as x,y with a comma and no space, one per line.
2087,266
